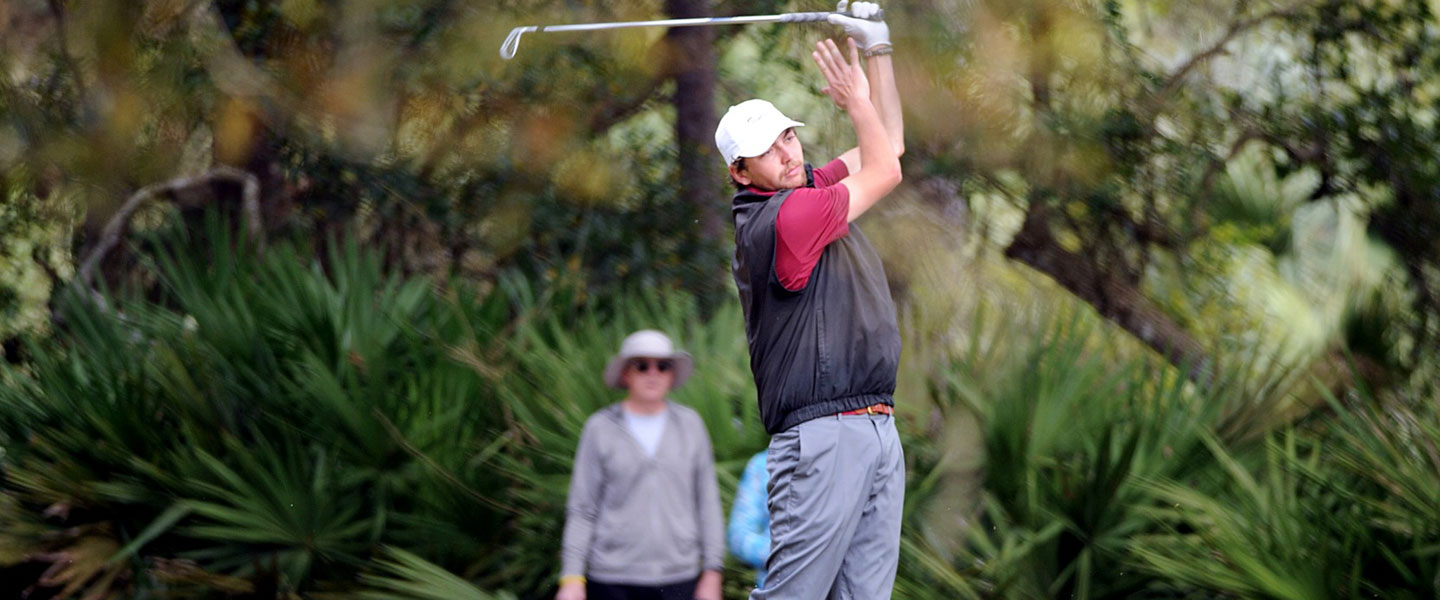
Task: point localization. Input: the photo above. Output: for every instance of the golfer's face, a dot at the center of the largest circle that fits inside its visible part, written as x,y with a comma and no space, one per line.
782,167
650,378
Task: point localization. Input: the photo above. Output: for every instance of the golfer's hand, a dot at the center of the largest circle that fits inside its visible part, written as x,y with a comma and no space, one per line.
847,82
708,588
869,34
571,590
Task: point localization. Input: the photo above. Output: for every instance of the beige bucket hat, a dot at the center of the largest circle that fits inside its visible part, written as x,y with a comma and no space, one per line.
648,343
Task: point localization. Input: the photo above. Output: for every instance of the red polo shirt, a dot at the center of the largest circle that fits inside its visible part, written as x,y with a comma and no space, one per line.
810,219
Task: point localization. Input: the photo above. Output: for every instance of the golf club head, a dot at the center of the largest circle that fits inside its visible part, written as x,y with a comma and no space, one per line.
512,41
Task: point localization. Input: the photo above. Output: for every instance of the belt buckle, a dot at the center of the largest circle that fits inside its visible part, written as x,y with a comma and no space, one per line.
870,410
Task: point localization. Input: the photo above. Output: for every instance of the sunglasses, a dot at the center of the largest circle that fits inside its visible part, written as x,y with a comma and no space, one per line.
642,365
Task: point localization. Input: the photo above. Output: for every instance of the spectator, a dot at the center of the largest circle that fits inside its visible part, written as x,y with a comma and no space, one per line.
644,520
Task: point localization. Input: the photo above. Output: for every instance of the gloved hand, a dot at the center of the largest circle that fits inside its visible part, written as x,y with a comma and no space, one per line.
870,35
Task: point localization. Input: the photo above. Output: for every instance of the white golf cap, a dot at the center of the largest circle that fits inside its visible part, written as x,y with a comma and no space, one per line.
648,343
749,129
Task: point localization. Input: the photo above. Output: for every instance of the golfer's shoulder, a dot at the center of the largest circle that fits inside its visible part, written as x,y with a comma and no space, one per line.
813,208
814,198
831,173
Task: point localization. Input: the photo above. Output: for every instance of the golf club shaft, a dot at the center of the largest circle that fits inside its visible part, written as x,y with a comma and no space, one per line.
693,22
512,42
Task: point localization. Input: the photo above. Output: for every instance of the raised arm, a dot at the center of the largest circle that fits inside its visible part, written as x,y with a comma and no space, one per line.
873,37
878,170
886,98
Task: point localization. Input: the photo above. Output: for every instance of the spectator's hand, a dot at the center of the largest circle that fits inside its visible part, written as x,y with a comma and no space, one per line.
575,590
869,34
708,588
847,79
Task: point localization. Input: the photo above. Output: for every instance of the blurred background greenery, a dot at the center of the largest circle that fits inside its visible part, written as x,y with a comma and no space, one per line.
309,299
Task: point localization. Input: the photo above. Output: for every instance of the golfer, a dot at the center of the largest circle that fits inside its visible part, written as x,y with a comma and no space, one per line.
824,343
643,521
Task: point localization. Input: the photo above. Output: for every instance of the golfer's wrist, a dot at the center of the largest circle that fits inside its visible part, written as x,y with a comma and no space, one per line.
878,49
572,580
861,107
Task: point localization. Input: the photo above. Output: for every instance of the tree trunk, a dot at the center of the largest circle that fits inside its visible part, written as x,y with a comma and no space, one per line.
1122,303
1115,299
691,58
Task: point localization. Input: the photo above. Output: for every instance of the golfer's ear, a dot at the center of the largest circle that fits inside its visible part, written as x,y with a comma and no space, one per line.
739,175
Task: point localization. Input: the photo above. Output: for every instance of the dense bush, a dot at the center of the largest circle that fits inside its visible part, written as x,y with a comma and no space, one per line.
262,426
271,426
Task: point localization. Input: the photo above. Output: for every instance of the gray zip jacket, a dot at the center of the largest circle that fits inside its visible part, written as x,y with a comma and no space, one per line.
640,520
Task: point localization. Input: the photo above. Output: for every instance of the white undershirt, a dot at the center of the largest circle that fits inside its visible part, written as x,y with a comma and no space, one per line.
647,429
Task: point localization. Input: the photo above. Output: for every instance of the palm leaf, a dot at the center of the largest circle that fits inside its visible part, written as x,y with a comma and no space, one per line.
402,575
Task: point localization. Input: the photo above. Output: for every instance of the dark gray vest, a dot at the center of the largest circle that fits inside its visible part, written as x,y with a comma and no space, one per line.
830,347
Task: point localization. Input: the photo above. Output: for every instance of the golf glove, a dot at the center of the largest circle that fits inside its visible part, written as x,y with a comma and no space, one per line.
870,35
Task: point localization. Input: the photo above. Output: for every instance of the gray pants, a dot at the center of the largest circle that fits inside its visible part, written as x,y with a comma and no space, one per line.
837,490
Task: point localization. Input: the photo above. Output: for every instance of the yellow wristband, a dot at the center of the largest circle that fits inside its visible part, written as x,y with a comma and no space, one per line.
572,579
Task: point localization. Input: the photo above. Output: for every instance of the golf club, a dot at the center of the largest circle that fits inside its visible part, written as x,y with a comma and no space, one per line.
512,41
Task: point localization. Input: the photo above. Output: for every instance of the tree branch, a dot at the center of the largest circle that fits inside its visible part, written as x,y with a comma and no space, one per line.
1173,82
119,224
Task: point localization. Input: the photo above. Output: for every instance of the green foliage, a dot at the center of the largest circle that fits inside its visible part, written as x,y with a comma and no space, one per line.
34,232
1069,441
1106,478
1256,203
1390,455
273,422
399,118
1340,511
270,425
405,576
267,419
395,119
1368,126
1273,535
